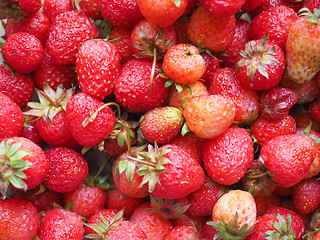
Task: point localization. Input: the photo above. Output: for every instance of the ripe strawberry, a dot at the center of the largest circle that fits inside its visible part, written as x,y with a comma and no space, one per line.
132,85
183,64
266,5
19,219
207,31
226,158
86,200
180,27
150,223
161,125
306,195
121,13
18,87
20,9
302,62
183,232
10,126
52,8
67,169
30,131
212,64
90,120
209,116
263,129
264,202
234,215
96,72
54,74
288,157
91,8
250,5
274,21
260,64
23,52
24,164
163,13
246,101
224,8
58,223
314,109
310,4
71,25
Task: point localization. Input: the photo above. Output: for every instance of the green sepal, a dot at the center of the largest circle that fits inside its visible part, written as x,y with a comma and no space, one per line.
177,3
18,183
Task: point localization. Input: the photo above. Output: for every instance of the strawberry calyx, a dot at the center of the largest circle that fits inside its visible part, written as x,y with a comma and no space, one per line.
11,166
256,56
103,227
231,230
283,229
309,16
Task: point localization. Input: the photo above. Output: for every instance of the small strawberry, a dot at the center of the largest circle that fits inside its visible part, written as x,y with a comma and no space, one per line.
207,31
183,233
224,8
97,72
19,219
288,157
30,131
209,116
67,169
52,8
58,223
90,7
23,52
161,125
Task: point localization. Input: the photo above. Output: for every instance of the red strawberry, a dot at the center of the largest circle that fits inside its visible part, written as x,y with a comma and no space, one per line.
260,64
264,202
224,8
30,131
90,120
18,87
96,72
20,9
86,200
161,125
19,219
25,164
207,31
58,223
121,13
163,13
288,157
23,52
315,110
227,157
266,5
71,25
310,4
132,86
209,116
91,8
250,5
183,64
212,64
52,8
67,170
183,232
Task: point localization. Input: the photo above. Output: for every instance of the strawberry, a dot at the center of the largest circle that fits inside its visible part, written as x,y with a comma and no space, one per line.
86,200
302,62
288,157
260,64
226,158
121,13
58,223
18,87
19,219
264,202
67,169
250,5
150,223
207,31
306,195
23,52
90,7
24,164
209,116
224,8
30,131
234,215
183,64
132,85
96,72
264,129
161,125
276,22
314,109
90,120
183,232
180,27
163,13
53,74
71,25
246,101
266,5
212,64
310,4
52,8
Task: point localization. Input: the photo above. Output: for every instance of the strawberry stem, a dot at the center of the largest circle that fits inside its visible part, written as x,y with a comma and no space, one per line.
102,167
49,99
128,136
142,161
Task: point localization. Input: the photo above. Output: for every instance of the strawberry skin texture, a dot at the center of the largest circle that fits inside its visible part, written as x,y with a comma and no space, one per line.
224,8
126,230
227,157
19,219
52,8
97,65
288,157
183,176
79,108
183,232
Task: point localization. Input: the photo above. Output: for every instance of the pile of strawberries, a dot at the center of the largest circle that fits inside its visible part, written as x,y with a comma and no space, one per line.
160,119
